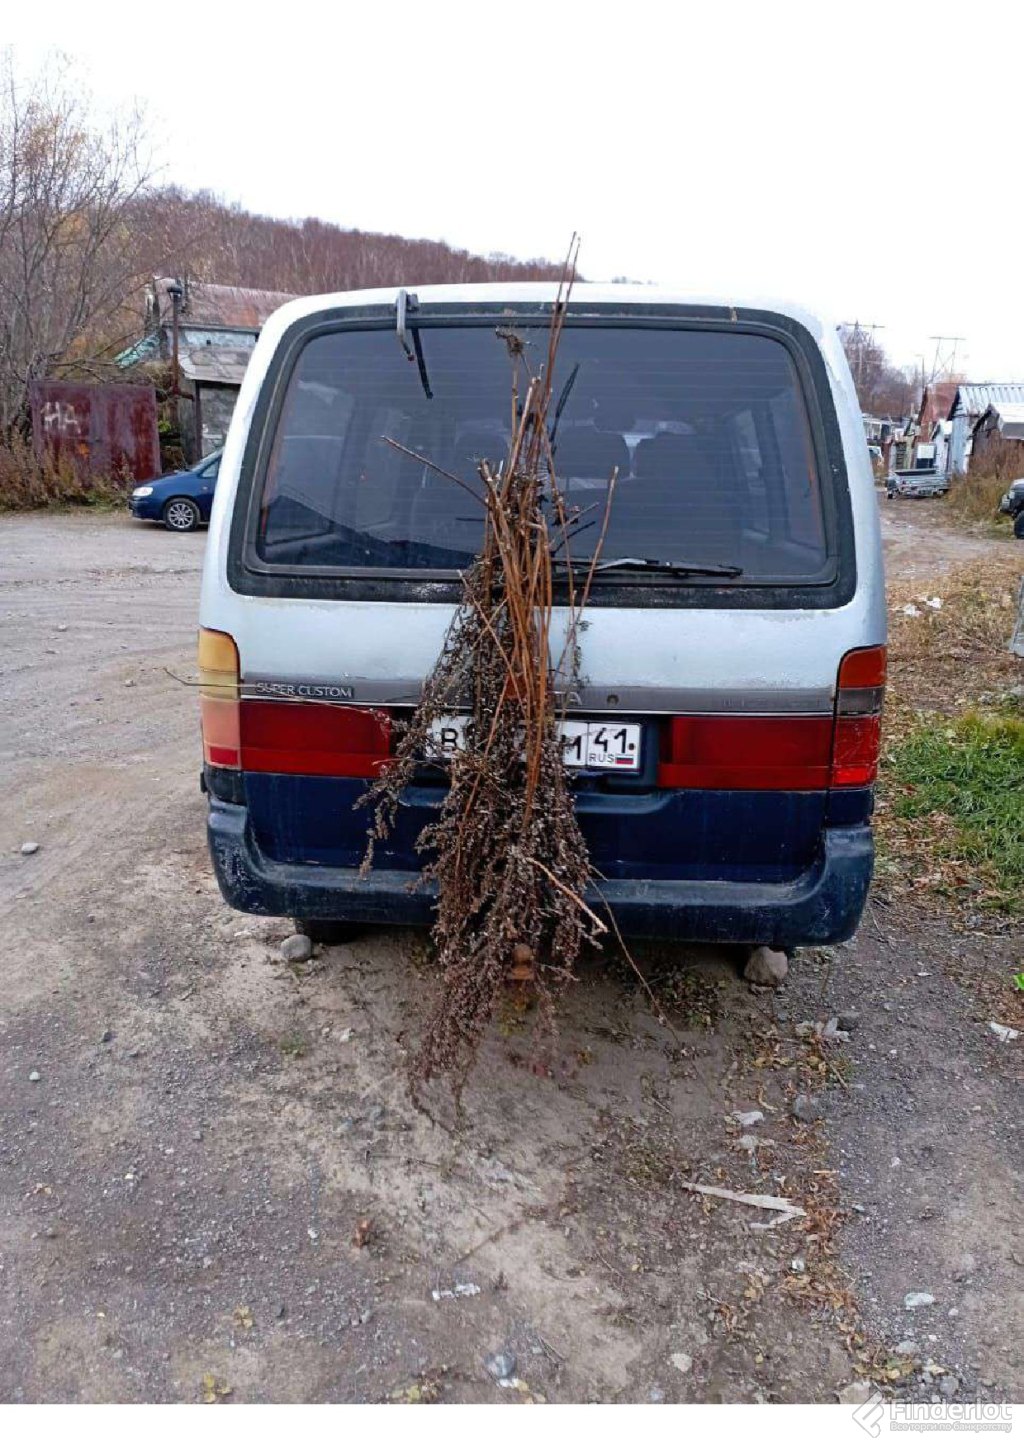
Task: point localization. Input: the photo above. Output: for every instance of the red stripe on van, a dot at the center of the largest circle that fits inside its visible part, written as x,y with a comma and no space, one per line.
724,751
737,752
284,738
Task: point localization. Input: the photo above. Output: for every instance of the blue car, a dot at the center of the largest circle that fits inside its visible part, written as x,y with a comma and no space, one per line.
181,501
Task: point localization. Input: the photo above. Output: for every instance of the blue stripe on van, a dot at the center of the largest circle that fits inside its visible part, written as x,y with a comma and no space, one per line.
664,834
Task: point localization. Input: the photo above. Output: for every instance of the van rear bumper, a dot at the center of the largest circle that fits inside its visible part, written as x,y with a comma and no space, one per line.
820,906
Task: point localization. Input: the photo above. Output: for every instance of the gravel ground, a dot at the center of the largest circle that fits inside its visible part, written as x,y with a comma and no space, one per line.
213,1185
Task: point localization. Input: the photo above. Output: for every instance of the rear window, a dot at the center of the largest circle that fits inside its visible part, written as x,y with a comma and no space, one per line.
708,431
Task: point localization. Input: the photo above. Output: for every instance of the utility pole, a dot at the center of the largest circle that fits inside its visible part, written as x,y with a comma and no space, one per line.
862,334
924,381
949,366
174,291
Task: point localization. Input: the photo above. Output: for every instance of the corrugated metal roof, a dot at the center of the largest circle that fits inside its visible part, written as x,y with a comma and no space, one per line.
974,397
207,304
1011,412
141,351
225,365
1011,420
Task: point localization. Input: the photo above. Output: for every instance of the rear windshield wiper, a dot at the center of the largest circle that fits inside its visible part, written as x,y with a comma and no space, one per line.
659,565
562,400
404,304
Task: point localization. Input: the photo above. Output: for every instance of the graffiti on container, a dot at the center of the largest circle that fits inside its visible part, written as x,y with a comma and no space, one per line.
61,418
102,430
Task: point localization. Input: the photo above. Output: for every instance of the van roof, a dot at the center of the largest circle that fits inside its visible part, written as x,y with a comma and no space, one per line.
594,293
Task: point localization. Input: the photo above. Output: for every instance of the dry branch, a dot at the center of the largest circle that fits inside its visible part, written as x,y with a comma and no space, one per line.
509,860
789,1210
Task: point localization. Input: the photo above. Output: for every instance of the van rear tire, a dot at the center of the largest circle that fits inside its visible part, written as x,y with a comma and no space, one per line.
329,932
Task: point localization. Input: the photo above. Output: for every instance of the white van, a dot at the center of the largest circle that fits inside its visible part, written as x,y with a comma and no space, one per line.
735,648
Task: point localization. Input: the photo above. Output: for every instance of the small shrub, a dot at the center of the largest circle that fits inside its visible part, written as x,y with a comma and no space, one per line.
974,498
28,481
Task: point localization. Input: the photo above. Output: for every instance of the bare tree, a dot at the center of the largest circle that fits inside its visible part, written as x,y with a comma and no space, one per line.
883,389
69,259
198,235
83,227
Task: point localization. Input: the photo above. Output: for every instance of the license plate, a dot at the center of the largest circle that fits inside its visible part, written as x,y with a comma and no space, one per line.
587,743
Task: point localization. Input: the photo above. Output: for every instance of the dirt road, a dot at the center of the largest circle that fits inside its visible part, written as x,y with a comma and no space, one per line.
919,543
191,1134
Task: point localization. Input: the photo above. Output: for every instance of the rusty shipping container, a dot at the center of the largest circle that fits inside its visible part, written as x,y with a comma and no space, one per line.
108,430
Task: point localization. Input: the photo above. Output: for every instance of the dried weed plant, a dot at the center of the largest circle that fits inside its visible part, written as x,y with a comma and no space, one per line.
506,852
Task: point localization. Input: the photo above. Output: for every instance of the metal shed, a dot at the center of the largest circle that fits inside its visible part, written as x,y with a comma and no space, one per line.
213,329
211,377
971,401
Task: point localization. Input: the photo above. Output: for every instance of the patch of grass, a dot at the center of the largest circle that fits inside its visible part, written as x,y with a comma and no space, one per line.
963,780
294,1043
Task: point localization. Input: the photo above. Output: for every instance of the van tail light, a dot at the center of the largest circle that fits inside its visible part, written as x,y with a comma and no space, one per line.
218,699
313,738
794,752
859,695
271,736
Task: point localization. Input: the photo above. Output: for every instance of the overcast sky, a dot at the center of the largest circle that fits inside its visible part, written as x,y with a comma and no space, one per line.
866,159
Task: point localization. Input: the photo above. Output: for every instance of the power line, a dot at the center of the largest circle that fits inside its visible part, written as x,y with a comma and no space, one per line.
861,336
948,365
